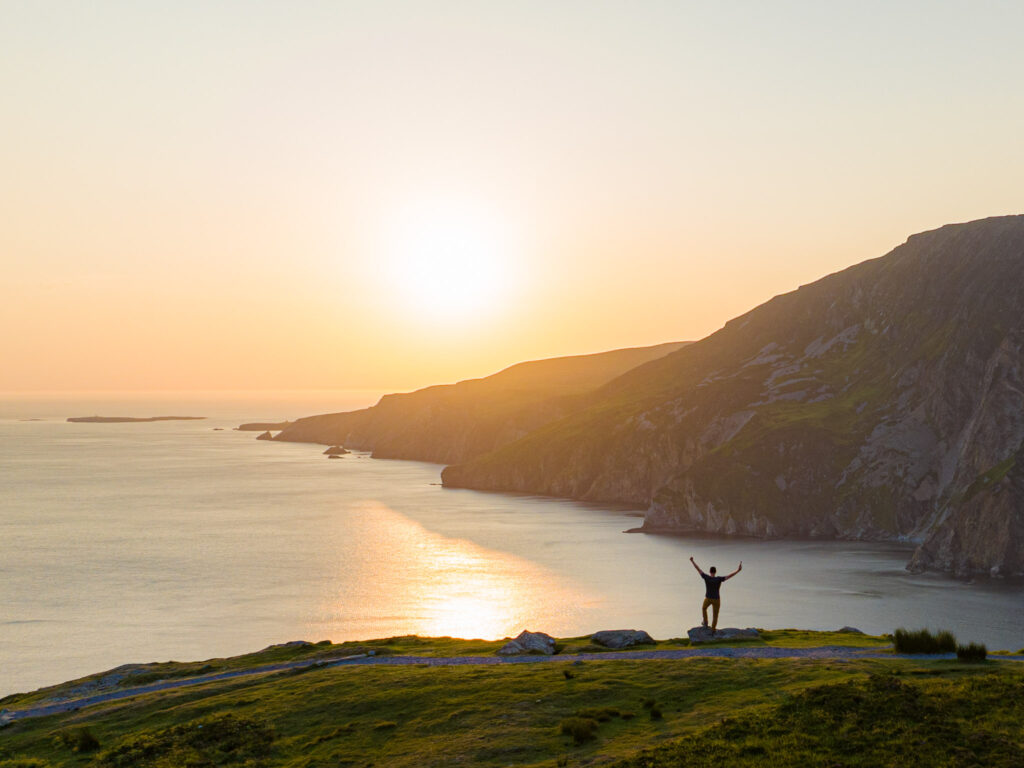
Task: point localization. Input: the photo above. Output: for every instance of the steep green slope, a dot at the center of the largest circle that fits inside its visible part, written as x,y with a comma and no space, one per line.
455,422
864,405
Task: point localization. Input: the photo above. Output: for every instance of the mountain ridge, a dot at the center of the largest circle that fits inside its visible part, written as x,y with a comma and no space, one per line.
448,423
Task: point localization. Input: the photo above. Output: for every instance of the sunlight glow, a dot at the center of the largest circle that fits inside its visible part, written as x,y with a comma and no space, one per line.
449,260
453,587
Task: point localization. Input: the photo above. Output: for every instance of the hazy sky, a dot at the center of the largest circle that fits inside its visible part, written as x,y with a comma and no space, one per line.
377,194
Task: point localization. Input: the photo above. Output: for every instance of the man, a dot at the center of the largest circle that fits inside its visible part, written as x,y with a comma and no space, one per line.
711,597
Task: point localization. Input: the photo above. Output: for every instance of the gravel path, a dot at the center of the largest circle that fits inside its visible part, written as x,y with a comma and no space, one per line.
825,652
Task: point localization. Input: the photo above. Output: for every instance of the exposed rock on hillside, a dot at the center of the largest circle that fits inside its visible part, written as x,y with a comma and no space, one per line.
699,635
621,638
455,422
882,402
528,642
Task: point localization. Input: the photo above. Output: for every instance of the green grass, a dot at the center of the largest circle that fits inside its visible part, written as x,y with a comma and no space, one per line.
883,719
521,714
405,645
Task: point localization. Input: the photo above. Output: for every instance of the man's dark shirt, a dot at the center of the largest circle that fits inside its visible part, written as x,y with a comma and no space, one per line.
712,583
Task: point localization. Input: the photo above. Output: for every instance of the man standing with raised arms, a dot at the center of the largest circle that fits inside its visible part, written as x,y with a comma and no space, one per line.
712,583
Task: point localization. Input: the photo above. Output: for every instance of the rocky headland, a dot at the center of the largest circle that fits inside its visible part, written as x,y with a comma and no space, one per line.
884,402
456,422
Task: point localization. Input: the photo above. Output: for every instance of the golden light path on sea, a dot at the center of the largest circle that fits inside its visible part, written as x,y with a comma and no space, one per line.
440,586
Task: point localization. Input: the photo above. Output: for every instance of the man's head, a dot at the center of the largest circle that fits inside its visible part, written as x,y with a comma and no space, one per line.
713,570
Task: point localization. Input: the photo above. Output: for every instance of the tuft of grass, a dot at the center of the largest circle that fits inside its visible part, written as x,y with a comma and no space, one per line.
601,714
581,729
923,641
972,652
77,739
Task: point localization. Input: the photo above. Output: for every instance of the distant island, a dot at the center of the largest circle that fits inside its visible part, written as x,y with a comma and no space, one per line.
263,426
122,419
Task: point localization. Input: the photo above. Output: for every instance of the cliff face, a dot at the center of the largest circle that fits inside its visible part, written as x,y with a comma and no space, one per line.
882,402
456,422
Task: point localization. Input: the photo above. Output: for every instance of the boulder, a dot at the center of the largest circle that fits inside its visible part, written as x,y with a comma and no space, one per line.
335,450
621,638
265,436
529,642
850,630
703,634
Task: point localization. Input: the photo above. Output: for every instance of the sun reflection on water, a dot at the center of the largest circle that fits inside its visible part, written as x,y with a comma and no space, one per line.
436,585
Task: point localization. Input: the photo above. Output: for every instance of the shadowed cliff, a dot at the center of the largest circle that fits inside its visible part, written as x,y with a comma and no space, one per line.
882,402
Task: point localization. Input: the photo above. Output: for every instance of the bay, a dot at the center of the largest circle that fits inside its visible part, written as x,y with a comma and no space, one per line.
170,540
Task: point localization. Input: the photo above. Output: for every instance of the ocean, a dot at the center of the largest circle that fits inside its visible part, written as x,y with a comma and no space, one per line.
136,542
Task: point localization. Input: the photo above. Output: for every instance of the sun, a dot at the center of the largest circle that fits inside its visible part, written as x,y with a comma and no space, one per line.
449,260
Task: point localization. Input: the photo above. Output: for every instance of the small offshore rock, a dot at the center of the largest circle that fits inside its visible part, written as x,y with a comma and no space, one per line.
703,634
529,642
335,450
265,436
334,456
621,638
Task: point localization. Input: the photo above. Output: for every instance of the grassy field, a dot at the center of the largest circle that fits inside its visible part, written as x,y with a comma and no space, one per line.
598,712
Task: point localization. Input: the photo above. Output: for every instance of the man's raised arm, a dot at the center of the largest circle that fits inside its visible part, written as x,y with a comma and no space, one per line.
734,572
697,566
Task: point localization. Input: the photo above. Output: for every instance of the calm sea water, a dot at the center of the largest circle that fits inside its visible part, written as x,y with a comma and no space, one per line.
154,541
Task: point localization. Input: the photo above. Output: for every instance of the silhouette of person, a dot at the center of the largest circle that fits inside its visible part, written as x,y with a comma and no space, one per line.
712,584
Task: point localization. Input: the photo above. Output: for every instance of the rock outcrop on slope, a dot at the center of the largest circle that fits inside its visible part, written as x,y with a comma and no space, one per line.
456,422
883,402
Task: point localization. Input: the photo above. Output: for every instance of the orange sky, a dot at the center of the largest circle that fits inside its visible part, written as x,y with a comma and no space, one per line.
388,195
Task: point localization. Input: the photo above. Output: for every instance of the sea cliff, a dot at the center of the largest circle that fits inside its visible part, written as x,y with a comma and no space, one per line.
882,402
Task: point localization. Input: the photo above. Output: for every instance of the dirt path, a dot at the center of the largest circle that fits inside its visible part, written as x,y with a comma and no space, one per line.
826,652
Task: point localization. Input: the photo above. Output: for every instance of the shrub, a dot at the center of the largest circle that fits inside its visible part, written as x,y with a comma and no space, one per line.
601,714
78,740
655,713
972,652
582,729
923,641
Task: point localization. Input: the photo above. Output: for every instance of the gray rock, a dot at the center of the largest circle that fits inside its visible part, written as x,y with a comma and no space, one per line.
528,642
703,634
621,638
850,630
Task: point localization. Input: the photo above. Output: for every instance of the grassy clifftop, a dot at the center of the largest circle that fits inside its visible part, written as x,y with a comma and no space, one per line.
599,712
